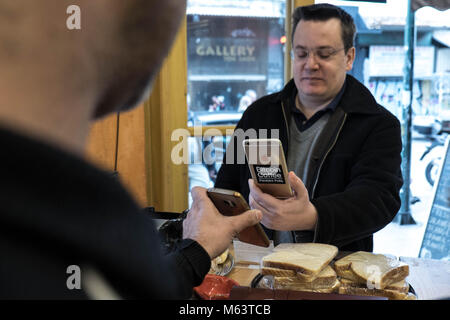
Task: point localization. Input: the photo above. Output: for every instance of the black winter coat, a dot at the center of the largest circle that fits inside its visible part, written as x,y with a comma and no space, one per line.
58,212
354,178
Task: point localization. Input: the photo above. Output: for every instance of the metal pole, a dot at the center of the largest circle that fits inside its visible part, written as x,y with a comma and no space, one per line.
404,216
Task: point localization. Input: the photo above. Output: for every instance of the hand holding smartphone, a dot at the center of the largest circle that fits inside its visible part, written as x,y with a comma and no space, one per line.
268,167
232,203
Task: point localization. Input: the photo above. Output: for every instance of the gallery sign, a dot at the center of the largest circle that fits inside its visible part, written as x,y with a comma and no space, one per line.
227,56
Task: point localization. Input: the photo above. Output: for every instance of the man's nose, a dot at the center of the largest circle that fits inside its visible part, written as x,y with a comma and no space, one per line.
311,61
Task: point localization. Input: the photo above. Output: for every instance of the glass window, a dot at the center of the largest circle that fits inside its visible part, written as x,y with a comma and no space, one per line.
235,55
206,156
235,52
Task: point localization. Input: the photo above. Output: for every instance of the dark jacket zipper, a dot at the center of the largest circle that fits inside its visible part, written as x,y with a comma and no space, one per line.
287,126
326,154
320,168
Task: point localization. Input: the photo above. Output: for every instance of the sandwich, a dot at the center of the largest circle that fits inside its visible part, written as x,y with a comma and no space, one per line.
301,267
401,286
392,292
374,270
309,267
302,260
325,282
368,274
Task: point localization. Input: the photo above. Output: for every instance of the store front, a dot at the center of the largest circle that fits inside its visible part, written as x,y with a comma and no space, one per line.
229,57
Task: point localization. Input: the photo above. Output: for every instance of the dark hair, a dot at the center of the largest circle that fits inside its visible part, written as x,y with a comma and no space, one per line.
323,12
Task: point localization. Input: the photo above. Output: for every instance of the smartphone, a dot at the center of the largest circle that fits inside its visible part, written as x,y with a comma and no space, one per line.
268,167
232,203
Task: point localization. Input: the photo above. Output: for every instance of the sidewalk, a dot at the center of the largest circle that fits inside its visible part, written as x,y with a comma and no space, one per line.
405,240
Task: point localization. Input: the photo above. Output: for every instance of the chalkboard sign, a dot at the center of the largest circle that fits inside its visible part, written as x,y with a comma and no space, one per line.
436,240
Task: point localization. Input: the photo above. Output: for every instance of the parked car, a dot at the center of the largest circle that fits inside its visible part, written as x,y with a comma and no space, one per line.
206,118
208,152
426,125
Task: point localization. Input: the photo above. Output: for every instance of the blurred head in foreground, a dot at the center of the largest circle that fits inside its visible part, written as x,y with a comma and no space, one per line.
55,79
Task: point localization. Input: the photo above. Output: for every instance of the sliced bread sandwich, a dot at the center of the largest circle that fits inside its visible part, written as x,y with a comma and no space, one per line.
276,272
326,281
306,260
376,271
401,286
390,294
290,284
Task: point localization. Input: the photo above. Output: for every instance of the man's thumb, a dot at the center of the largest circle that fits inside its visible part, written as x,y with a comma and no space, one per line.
296,183
246,219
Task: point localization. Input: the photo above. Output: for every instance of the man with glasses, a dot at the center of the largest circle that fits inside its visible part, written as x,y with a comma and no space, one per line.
342,148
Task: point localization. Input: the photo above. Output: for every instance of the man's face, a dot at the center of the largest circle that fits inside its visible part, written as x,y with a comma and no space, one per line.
137,40
320,61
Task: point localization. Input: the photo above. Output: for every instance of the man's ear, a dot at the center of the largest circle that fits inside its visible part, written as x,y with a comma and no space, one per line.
350,57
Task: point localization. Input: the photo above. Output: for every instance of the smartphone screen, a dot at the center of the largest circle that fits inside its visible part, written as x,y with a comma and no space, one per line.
267,166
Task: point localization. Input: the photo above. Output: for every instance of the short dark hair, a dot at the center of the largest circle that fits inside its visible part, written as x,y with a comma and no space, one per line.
323,12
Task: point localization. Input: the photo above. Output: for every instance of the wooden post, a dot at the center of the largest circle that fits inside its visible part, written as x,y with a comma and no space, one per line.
290,7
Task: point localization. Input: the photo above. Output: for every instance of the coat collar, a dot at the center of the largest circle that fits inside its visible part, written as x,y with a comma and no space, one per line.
355,99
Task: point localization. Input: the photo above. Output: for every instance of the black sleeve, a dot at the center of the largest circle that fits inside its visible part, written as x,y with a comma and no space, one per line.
191,263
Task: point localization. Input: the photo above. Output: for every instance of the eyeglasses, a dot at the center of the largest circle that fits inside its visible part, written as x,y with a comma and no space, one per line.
321,53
